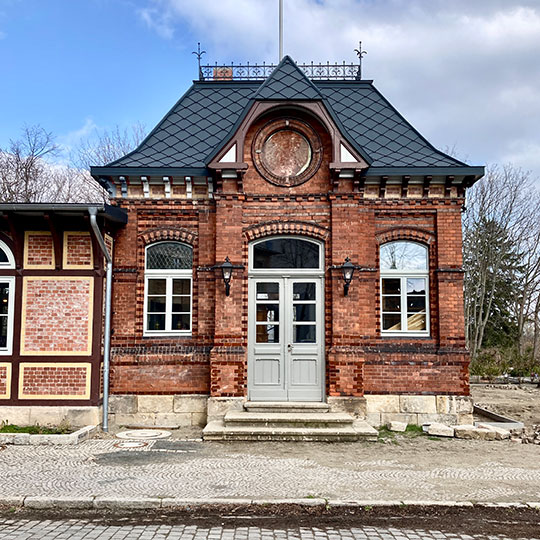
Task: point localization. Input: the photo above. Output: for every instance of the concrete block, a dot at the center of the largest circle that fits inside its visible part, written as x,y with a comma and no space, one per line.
374,419
59,502
190,403
417,404
155,404
440,430
500,433
218,407
21,438
133,419
355,406
465,418
397,426
172,419
114,503
408,418
122,404
447,419
464,404
199,419
485,434
382,403
445,404
466,431
19,416
74,416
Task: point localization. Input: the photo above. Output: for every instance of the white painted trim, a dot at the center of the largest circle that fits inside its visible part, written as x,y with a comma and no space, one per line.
168,275
11,260
11,314
345,155
230,156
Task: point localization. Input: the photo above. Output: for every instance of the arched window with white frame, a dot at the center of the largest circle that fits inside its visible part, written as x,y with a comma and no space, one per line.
404,269
7,299
168,289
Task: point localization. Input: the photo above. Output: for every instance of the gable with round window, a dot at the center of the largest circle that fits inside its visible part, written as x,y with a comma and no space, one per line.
404,288
168,289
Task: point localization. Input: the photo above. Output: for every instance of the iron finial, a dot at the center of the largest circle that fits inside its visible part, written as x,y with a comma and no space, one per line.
198,53
360,53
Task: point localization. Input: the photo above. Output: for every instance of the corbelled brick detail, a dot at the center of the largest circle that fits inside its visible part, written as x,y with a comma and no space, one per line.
78,250
57,315
39,250
300,228
56,380
405,233
171,233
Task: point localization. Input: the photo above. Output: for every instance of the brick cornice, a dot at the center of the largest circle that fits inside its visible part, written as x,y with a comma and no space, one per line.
178,234
405,233
272,228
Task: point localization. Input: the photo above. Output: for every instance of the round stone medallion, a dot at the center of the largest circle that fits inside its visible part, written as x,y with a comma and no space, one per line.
287,152
144,434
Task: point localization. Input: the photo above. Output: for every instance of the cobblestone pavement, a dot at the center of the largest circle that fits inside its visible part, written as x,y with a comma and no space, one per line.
415,470
73,529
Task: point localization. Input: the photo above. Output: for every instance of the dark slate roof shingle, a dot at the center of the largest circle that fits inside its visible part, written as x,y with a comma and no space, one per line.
287,81
204,119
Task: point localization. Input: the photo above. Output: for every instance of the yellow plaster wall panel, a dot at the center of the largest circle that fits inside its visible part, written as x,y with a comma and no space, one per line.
77,250
5,380
38,250
54,380
57,316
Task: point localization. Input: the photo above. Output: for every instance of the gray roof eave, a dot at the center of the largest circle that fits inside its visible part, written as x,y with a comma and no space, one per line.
108,212
98,172
476,171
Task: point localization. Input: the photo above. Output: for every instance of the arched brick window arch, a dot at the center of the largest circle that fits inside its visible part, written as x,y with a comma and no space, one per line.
298,228
178,234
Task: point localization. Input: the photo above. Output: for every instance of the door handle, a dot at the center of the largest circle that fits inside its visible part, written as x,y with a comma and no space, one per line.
289,347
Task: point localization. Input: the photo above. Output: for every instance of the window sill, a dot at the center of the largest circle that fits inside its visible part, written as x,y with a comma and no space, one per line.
168,335
404,335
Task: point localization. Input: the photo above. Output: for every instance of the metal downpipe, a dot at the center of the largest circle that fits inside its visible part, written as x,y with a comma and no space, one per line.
107,325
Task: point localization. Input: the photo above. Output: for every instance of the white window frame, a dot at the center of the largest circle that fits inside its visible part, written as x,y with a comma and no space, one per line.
11,260
168,276
11,315
403,275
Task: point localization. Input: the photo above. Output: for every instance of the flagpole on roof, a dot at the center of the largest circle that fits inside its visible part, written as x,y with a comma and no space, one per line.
280,30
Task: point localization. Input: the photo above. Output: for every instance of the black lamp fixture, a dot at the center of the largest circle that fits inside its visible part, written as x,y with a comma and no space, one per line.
226,272
348,270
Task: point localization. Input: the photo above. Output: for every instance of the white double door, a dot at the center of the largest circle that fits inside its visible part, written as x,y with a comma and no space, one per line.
286,339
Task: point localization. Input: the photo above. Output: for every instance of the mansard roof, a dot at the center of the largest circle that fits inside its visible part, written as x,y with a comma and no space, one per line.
206,117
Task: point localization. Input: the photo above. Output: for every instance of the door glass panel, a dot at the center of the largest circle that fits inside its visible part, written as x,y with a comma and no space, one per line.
286,253
304,312
3,332
303,291
304,333
4,297
267,291
3,256
267,333
267,312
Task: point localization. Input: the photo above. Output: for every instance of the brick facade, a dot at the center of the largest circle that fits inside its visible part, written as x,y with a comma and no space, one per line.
42,381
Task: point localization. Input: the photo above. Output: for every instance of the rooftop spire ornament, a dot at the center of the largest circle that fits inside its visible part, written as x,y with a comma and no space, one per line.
198,53
360,53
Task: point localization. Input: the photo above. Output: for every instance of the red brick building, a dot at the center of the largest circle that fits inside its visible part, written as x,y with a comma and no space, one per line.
248,207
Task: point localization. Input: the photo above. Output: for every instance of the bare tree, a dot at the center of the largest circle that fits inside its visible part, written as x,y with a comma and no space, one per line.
501,251
103,147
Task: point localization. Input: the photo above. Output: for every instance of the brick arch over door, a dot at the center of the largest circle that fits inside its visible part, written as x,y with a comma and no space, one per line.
273,228
405,233
176,234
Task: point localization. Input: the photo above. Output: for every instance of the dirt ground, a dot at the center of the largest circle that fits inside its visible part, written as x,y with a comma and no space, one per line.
519,402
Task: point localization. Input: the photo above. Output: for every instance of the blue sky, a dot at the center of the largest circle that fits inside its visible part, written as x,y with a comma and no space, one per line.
465,74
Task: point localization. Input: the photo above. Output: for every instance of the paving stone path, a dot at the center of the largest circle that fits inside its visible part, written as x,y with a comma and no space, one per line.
11,529
415,471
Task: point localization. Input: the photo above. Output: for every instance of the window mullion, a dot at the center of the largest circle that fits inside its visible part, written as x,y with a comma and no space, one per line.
168,304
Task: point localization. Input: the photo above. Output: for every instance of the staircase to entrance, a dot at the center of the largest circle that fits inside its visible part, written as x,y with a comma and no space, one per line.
288,421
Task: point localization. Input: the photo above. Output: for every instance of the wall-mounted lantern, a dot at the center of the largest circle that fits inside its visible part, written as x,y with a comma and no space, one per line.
348,270
226,273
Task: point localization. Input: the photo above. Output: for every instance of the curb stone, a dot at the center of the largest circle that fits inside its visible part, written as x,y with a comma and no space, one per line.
20,439
124,503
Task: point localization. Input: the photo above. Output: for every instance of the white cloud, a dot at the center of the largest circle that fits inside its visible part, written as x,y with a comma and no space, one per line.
464,73
69,140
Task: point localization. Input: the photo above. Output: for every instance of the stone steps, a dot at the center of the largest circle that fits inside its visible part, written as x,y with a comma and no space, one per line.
288,422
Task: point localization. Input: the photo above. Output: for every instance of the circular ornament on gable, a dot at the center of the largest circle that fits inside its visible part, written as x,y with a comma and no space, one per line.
287,152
